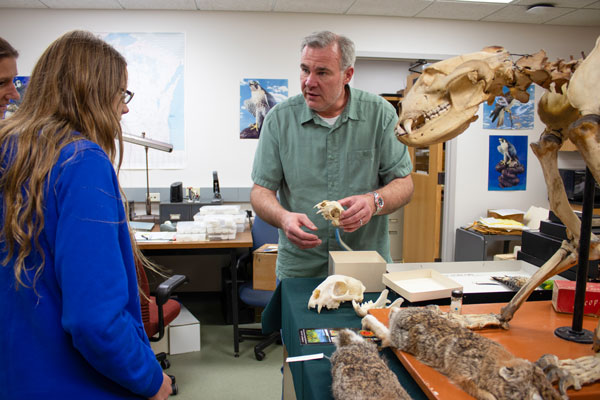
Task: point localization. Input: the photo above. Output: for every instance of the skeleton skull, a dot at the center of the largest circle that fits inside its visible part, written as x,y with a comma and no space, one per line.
330,210
445,98
334,290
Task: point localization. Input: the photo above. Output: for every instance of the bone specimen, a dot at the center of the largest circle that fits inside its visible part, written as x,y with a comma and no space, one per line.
358,372
443,103
330,210
381,302
334,290
480,366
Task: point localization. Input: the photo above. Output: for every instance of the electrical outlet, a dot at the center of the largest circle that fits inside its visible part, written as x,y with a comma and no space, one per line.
155,197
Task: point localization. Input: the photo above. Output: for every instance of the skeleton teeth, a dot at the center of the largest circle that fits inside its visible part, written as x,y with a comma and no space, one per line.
408,125
400,131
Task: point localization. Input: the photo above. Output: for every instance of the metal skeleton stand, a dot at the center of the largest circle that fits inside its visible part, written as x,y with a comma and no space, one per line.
576,333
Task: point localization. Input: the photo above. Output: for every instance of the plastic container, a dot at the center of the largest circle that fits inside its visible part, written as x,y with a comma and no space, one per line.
456,301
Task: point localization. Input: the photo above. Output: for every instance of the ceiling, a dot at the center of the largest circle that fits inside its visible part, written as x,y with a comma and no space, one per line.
564,12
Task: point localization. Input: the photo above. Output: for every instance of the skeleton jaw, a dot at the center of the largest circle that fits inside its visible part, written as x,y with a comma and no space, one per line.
435,126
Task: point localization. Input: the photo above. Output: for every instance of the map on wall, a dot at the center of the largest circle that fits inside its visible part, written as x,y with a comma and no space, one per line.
155,66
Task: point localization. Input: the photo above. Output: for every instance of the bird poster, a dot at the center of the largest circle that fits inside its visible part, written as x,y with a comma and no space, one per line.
20,83
508,163
509,113
257,97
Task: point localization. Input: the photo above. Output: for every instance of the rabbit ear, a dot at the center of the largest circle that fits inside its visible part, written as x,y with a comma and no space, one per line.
507,373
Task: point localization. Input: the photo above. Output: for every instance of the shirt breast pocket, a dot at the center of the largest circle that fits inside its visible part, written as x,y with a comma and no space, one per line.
362,170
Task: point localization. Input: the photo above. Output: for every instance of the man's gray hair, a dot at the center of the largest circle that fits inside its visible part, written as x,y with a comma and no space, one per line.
323,39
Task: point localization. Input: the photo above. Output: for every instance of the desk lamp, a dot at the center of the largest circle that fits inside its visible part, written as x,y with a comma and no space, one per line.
148,143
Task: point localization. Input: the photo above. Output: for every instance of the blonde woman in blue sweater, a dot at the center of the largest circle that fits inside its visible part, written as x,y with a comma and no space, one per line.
71,320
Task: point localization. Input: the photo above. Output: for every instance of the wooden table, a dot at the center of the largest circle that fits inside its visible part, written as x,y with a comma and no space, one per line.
241,241
531,335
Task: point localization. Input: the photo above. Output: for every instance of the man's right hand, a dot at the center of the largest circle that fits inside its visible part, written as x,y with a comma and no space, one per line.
291,224
165,389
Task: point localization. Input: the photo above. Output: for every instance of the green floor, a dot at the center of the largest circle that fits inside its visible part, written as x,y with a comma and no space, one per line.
213,372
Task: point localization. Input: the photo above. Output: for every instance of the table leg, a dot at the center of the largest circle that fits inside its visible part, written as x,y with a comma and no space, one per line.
234,304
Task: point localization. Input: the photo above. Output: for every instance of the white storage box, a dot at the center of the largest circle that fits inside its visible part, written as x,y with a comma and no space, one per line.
366,266
420,284
191,227
184,333
222,209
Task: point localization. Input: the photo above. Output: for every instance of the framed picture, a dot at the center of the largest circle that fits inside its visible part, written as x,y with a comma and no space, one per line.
257,97
507,168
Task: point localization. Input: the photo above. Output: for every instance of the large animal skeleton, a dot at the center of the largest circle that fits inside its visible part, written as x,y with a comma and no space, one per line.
444,101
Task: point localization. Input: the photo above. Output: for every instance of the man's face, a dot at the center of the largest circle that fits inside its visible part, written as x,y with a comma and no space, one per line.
322,81
8,71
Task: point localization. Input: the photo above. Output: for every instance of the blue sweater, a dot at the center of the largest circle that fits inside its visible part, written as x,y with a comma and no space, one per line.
81,336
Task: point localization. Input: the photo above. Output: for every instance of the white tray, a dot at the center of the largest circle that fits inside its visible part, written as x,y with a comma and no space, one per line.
420,284
475,276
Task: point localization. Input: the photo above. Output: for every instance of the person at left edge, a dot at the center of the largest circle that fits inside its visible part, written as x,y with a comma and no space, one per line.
8,71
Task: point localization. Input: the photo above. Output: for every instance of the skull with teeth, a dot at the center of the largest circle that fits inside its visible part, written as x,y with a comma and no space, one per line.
330,210
446,97
335,290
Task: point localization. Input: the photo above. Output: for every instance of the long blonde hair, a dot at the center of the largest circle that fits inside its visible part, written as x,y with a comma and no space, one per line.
72,87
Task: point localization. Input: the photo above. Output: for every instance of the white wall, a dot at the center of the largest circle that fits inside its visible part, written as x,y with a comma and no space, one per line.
224,47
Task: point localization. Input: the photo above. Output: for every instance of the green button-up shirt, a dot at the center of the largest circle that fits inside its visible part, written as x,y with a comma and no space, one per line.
308,161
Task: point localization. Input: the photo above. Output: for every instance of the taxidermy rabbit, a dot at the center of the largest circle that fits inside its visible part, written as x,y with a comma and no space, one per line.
480,366
359,373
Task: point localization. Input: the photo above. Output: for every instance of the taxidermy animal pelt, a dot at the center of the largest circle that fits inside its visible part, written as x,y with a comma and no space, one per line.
480,366
359,373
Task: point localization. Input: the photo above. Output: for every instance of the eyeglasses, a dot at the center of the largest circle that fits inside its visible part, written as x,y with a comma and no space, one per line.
127,96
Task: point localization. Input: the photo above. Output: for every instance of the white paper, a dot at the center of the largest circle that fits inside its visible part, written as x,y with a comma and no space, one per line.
305,358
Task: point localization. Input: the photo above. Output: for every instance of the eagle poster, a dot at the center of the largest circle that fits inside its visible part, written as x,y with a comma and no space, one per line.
257,97
509,113
508,163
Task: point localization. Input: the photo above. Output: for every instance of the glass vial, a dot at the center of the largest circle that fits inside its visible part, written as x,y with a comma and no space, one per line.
456,301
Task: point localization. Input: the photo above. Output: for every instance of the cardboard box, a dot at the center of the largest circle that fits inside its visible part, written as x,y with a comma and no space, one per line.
420,284
515,215
366,266
563,297
263,267
184,333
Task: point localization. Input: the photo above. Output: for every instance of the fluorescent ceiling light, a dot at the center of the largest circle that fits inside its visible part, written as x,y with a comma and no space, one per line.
487,1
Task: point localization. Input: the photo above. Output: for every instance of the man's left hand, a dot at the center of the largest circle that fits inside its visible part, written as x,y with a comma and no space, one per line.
359,211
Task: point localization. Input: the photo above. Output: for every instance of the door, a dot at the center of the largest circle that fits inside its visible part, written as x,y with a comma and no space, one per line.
423,215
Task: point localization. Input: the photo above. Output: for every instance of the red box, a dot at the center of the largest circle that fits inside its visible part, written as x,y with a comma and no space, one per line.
563,297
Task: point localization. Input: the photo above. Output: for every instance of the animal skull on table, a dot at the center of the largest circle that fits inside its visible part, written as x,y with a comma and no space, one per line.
334,290
443,103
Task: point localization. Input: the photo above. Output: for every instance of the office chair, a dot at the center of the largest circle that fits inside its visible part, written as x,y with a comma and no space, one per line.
261,233
159,311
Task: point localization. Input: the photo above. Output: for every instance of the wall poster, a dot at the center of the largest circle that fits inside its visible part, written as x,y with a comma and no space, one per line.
509,113
257,97
507,168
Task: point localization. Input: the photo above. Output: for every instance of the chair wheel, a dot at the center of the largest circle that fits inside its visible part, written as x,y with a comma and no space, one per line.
259,355
174,389
173,380
165,364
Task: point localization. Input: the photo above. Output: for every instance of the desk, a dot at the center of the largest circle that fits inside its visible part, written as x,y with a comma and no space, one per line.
531,335
472,245
288,311
242,240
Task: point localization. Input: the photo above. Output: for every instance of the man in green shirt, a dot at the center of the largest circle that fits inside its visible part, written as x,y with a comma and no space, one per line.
330,143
